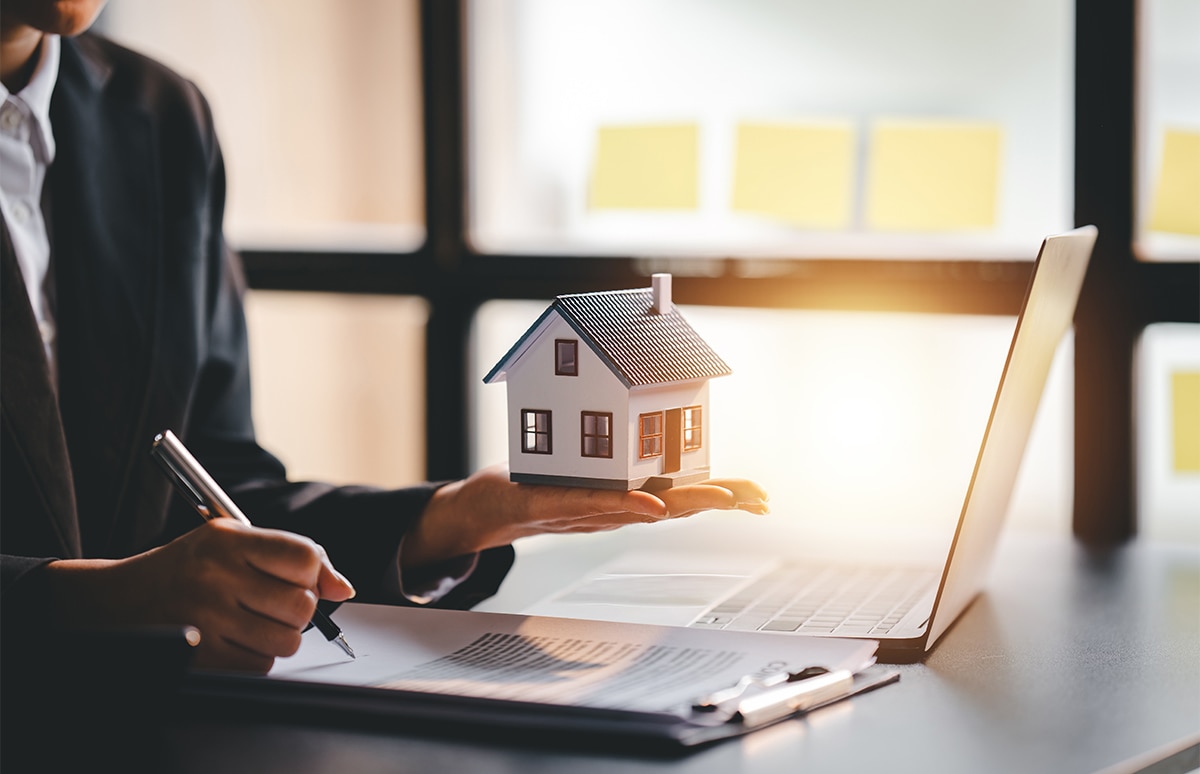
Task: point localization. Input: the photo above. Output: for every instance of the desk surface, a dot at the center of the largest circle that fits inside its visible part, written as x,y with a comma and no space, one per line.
1072,661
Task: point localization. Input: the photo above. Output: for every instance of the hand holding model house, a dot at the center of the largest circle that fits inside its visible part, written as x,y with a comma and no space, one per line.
607,409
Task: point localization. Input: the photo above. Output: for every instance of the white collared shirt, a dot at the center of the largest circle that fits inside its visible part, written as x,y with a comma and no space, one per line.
26,151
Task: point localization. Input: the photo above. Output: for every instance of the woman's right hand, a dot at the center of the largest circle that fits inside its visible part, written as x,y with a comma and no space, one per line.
249,591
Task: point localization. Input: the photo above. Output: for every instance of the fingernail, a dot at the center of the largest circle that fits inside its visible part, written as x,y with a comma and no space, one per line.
755,506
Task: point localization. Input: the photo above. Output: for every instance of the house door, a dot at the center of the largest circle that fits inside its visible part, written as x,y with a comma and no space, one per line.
672,440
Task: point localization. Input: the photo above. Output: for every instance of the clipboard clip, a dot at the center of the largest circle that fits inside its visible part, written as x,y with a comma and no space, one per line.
716,699
778,695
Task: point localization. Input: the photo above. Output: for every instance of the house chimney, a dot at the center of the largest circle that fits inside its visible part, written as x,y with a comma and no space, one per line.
660,286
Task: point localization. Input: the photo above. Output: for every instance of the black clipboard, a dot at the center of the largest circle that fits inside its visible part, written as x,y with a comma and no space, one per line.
406,711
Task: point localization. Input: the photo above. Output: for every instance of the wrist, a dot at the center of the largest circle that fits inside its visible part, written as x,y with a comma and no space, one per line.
87,594
439,534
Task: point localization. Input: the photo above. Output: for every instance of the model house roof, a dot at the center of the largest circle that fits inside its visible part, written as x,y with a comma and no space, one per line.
641,345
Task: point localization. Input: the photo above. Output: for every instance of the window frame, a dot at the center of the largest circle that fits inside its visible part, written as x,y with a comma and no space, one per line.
643,436
559,368
584,435
548,433
696,428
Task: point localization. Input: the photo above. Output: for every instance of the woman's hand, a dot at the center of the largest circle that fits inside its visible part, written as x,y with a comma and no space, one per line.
488,510
249,591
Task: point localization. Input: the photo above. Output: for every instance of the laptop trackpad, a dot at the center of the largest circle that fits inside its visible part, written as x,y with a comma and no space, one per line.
663,598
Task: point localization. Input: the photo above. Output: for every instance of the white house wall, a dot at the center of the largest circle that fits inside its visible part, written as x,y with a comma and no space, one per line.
532,384
647,399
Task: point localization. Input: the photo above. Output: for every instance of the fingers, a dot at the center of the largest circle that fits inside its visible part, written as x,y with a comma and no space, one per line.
551,502
331,584
582,510
293,559
290,558
250,591
250,644
564,510
272,599
256,633
598,523
716,494
744,491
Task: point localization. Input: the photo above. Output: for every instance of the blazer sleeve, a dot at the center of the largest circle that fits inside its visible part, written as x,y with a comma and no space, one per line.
360,527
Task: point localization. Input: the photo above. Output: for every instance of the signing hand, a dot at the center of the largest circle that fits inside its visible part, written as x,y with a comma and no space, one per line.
487,510
249,591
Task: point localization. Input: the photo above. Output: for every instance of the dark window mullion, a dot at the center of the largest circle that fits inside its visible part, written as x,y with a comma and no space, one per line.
1106,323
451,305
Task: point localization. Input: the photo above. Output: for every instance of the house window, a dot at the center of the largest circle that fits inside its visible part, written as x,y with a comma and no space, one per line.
651,433
535,431
692,433
566,357
596,434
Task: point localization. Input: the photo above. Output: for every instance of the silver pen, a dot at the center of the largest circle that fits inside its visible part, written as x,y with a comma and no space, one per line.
210,501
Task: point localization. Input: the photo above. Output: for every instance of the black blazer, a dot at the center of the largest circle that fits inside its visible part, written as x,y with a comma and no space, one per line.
151,335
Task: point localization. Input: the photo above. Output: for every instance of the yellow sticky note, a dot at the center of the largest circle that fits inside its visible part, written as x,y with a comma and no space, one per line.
1185,407
651,167
799,173
1176,206
932,176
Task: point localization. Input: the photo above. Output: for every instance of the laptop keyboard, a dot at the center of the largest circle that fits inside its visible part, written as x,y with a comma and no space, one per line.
848,601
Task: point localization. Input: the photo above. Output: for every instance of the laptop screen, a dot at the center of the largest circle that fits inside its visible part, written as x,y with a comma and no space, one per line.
1045,317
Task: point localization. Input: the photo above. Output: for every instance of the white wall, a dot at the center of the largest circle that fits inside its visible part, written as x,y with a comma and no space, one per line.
532,384
644,401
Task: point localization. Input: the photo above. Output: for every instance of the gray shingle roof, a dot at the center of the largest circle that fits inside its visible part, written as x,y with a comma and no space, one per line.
641,346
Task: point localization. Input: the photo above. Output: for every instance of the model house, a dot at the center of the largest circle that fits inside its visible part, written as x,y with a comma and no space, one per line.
609,390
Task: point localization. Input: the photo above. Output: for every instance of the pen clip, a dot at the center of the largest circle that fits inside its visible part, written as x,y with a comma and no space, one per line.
180,481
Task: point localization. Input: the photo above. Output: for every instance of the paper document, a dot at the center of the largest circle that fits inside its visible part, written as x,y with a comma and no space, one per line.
555,661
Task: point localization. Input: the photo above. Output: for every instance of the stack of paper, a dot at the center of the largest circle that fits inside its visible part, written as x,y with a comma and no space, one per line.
555,672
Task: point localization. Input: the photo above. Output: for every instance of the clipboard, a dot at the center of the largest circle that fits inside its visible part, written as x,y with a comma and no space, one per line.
407,710
512,688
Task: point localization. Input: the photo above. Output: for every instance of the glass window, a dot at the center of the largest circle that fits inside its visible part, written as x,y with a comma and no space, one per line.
766,128
535,432
596,432
693,434
339,384
317,106
651,434
566,362
1168,432
1168,136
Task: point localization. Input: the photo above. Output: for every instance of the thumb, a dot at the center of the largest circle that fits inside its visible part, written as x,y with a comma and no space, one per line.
332,585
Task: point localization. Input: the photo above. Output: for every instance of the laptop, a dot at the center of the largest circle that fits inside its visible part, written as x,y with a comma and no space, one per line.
905,607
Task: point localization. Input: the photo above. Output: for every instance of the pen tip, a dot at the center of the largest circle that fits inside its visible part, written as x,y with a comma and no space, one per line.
341,641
